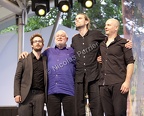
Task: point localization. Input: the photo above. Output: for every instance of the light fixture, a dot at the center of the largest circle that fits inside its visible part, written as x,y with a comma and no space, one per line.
40,10
41,7
87,3
64,5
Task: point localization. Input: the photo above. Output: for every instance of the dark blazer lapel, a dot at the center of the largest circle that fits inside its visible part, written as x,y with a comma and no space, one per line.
30,65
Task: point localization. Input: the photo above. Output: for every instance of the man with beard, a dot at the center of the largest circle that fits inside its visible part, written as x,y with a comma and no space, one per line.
30,83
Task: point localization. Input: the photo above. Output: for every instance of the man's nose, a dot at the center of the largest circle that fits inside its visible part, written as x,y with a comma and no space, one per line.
76,20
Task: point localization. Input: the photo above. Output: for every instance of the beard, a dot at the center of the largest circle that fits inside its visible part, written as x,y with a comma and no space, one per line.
37,49
60,44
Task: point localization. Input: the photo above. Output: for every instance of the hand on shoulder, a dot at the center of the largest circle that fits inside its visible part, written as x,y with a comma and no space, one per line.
23,55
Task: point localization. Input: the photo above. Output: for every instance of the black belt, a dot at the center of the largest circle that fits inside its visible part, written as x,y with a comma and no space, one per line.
34,91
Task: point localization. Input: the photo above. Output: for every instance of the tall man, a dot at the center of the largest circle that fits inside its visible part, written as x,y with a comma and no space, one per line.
117,69
86,47
30,81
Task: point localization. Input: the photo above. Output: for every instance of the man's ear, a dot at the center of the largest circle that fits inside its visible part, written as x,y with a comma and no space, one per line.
32,46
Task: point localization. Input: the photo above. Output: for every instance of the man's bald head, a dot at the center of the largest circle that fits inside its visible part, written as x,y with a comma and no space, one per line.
112,26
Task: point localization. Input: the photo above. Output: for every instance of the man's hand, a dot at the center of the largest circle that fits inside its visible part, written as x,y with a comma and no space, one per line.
125,87
99,59
129,44
18,99
23,55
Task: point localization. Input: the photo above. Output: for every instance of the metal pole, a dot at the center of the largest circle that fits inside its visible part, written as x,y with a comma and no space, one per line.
20,35
54,29
11,6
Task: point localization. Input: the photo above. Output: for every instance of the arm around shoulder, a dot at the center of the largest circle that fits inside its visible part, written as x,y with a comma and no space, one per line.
23,55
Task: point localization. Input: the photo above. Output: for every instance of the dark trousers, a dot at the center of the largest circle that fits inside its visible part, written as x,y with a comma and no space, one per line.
94,99
113,101
56,100
33,105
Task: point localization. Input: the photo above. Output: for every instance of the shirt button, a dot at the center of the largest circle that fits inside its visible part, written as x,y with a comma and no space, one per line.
84,63
56,75
105,73
84,69
83,43
83,56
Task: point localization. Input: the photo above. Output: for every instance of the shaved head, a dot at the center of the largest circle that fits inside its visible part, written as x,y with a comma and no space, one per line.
115,22
112,27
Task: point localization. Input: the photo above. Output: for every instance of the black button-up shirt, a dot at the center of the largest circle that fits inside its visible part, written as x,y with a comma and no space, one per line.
115,59
38,73
86,50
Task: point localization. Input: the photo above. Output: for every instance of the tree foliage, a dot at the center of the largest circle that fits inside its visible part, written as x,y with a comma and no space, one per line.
98,14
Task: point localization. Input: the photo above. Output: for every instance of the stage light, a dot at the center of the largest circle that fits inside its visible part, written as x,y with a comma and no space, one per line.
64,6
41,7
40,10
87,3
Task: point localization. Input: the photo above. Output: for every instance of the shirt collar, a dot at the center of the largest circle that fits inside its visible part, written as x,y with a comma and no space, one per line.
60,49
85,34
34,57
117,38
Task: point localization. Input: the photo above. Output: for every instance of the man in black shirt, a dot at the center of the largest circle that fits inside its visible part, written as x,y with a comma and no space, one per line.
116,72
30,83
86,47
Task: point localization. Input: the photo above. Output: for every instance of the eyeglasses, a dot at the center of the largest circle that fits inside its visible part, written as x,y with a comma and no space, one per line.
39,41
